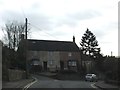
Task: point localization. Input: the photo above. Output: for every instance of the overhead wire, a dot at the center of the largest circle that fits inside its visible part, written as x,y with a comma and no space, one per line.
24,15
43,31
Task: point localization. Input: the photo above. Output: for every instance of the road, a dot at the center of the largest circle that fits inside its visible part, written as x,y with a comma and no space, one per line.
45,82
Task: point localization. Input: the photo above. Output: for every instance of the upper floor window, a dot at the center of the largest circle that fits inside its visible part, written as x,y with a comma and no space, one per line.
51,62
50,53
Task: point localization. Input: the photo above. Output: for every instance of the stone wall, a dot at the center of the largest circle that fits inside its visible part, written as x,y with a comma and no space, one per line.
15,75
0,64
0,59
48,56
53,58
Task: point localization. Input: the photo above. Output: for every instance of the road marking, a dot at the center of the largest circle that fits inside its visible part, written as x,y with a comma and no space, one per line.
28,85
93,85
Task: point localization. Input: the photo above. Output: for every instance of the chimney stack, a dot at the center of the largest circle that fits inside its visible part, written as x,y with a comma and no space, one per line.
74,39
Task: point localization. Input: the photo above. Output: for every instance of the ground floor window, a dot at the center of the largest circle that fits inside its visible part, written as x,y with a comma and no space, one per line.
51,62
35,62
72,63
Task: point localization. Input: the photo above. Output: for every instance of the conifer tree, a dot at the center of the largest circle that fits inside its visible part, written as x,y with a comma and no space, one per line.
89,44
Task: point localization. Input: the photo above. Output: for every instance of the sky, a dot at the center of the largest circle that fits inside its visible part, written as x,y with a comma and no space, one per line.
61,19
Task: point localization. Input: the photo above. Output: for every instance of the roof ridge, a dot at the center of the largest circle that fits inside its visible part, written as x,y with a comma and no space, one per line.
50,40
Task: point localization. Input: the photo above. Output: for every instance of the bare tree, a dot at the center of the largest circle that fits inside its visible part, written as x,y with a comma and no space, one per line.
13,32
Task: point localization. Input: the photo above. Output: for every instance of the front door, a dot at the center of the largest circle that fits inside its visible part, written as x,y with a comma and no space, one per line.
45,65
61,65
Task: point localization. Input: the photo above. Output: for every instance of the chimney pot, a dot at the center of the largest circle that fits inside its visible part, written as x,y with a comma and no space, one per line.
74,39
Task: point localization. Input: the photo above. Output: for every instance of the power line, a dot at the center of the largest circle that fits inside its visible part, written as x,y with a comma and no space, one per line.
43,31
35,25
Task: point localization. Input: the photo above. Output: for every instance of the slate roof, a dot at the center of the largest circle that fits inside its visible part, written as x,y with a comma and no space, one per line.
49,45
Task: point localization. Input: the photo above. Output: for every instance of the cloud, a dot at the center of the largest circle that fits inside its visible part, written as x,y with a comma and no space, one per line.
83,15
12,15
64,18
72,19
41,21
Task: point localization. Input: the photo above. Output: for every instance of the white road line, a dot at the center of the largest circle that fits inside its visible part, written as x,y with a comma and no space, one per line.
27,86
93,85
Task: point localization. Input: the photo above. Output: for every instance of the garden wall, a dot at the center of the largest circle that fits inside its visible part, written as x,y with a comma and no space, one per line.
14,75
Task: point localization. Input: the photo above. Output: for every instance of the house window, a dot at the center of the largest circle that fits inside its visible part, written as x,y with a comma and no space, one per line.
51,62
35,62
72,63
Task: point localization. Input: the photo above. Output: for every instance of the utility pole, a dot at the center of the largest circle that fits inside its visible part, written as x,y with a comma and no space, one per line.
26,22
111,53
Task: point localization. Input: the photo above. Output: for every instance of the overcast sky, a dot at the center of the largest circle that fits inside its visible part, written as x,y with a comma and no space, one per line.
61,19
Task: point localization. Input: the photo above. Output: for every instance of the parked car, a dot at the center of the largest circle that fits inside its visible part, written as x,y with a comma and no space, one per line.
91,77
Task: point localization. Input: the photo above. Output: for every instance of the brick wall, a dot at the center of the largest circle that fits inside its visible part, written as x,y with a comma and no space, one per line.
65,56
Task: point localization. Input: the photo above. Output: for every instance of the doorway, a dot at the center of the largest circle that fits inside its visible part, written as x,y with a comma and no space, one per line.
61,65
45,65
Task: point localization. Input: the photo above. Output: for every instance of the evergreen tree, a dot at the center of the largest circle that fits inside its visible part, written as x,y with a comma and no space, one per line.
89,44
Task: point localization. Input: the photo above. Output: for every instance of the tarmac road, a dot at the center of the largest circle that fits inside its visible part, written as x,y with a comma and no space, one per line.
45,82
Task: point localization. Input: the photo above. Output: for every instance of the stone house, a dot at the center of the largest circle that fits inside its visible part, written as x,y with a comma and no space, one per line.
49,55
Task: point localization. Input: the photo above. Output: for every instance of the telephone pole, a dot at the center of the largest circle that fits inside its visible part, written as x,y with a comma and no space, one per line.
111,53
26,22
